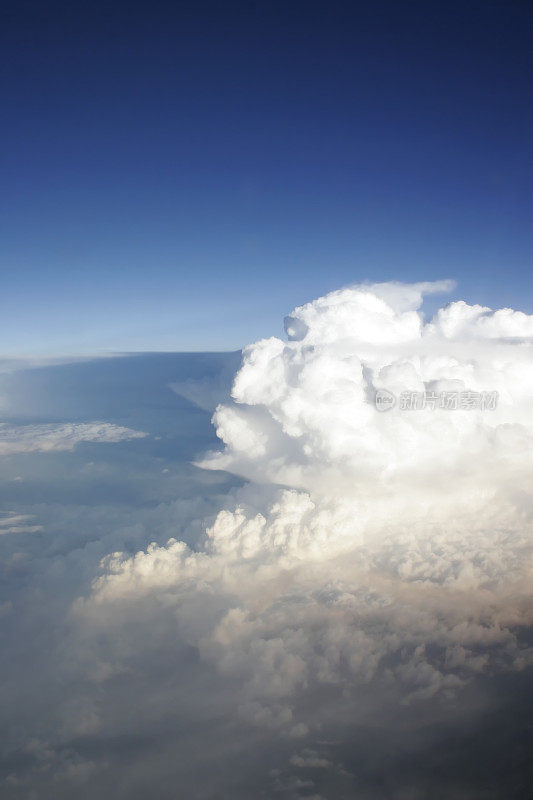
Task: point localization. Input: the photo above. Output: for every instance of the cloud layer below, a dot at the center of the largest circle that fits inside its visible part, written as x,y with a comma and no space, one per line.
351,617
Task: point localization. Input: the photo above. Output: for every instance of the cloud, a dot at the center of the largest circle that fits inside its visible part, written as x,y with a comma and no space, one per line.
327,628
393,562
18,523
57,437
304,414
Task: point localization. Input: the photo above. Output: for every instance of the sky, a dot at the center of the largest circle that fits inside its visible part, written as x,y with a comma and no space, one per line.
180,176
243,573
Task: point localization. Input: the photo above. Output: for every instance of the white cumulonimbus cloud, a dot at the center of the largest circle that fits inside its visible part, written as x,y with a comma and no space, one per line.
385,549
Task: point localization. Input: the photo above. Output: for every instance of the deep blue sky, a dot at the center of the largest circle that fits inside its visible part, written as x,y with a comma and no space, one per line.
180,176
